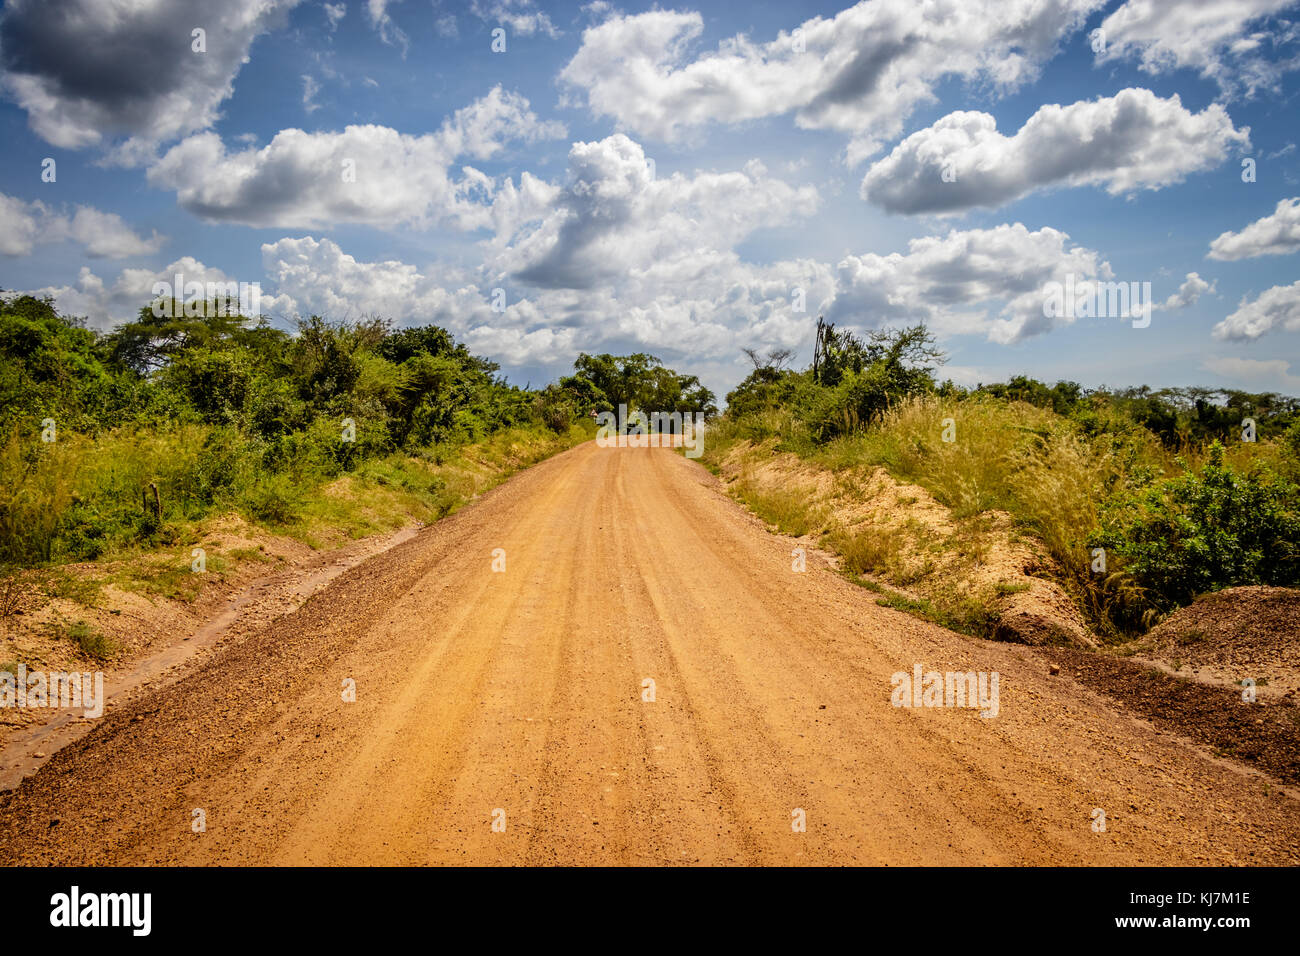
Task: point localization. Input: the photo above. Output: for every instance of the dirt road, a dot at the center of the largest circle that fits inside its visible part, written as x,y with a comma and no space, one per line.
517,698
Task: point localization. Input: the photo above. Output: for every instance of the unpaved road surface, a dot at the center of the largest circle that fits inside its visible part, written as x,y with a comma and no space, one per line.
516,697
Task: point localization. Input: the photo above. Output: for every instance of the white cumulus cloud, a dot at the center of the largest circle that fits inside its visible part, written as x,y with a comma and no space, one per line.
77,68
1277,308
1188,293
363,174
1227,41
989,282
861,72
100,234
1274,235
615,223
1132,140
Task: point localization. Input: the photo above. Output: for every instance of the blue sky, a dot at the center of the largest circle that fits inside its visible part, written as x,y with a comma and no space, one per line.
794,147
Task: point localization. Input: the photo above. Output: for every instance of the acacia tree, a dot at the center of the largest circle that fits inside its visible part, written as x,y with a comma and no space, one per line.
639,381
151,340
774,362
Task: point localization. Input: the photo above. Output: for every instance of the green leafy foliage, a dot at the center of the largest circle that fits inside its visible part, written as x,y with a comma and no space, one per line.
219,413
1161,478
1207,529
602,383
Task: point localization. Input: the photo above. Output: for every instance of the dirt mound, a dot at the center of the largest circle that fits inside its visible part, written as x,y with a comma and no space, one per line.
1231,635
1263,734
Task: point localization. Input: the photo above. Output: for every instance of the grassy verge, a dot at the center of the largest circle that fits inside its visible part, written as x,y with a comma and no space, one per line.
971,617
84,498
921,564
76,497
68,613
1004,470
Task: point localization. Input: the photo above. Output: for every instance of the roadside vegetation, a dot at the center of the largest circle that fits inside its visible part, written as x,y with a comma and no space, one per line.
128,442
1136,500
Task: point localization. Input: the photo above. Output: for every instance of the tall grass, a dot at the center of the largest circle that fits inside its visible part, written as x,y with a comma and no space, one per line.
36,487
1044,470
80,498
787,509
1026,461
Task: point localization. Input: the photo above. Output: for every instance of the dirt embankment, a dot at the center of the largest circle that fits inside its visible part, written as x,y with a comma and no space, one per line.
896,534
1224,671
123,609
1233,722
153,633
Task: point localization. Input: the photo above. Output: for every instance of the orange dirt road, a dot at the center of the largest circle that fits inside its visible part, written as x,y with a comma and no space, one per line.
516,698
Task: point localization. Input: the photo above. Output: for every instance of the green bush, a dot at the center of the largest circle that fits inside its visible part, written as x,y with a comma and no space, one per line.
92,643
215,382
1207,529
1291,440
274,499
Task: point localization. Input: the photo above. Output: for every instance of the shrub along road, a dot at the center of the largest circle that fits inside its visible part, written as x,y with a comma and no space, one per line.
518,698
